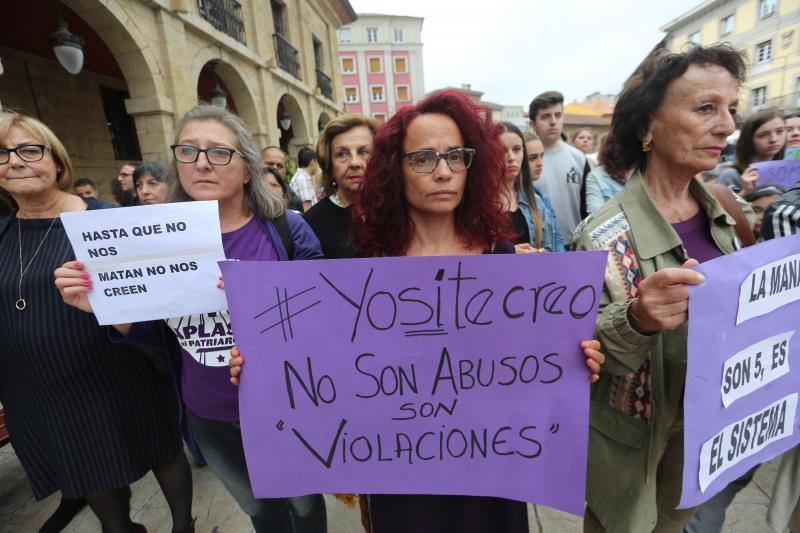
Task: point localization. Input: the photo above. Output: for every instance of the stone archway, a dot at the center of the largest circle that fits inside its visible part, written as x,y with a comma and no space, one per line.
239,94
149,104
296,134
322,121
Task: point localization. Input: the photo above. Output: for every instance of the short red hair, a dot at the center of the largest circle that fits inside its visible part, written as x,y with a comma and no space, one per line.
381,222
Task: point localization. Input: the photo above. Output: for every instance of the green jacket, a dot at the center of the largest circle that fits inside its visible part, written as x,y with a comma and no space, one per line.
640,391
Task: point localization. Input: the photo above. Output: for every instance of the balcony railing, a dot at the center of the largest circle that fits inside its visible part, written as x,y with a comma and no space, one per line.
287,55
225,15
324,84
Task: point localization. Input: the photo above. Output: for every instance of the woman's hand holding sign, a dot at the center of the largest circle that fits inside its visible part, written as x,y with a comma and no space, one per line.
594,358
74,285
236,361
663,301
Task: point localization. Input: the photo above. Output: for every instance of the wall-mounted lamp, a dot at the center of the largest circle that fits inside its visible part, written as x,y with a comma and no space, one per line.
285,121
219,97
67,47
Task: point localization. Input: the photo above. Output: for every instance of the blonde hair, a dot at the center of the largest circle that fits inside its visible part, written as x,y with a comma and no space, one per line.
337,126
262,202
529,136
37,129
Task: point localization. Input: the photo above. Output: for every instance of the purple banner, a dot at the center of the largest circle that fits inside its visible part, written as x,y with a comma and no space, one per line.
426,375
743,378
782,173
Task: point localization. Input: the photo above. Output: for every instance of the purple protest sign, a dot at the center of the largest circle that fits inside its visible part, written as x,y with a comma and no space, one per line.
743,378
430,375
783,173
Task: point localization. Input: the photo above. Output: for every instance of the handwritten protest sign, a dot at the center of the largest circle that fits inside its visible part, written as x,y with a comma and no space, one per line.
743,379
432,375
783,173
150,262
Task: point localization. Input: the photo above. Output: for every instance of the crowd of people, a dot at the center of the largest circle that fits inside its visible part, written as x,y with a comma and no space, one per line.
91,409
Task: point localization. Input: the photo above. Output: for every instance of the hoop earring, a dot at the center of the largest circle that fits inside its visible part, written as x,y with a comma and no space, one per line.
646,146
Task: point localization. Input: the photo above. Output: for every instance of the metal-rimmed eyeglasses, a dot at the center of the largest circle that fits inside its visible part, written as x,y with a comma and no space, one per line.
426,161
30,153
216,155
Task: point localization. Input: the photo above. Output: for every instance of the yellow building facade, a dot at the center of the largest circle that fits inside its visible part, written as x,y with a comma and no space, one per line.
769,33
148,61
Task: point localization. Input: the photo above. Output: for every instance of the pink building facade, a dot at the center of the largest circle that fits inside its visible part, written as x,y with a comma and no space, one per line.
381,67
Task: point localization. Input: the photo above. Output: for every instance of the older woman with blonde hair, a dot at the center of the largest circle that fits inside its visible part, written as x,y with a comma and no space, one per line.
343,150
86,416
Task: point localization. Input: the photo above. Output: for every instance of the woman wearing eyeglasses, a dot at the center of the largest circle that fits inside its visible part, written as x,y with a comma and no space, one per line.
86,416
432,188
215,158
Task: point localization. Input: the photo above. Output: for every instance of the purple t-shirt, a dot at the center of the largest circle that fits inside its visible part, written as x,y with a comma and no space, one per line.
206,340
696,236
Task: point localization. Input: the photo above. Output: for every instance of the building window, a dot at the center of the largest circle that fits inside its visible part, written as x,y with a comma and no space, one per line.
398,35
763,51
351,95
400,65
402,93
277,18
226,17
120,124
695,38
380,118
766,8
348,65
759,96
372,35
318,53
375,65
726,25
377,94
345,36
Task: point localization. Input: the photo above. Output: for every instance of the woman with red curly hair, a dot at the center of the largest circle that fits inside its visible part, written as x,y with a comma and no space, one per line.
408,192
433,186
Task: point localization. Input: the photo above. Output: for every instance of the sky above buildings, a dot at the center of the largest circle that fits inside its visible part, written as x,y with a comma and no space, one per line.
514,49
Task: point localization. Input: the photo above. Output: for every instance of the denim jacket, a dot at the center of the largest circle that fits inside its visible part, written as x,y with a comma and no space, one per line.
551,236
600,187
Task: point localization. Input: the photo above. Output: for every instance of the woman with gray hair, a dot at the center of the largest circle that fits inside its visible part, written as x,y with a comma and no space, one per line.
150,183
215,158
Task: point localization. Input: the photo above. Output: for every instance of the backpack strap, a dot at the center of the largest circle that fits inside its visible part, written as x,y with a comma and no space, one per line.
282,226
725,197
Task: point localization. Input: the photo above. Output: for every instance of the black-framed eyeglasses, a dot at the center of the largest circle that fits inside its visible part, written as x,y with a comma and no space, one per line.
30,153
216,155
426,161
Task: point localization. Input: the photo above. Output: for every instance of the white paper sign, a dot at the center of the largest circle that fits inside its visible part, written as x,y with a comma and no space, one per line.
150,262
769,287
745,437
754,367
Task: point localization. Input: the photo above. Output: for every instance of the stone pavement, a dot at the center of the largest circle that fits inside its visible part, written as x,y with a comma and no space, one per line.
217,513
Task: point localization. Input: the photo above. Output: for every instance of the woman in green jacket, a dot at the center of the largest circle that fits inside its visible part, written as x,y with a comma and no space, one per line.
671,121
